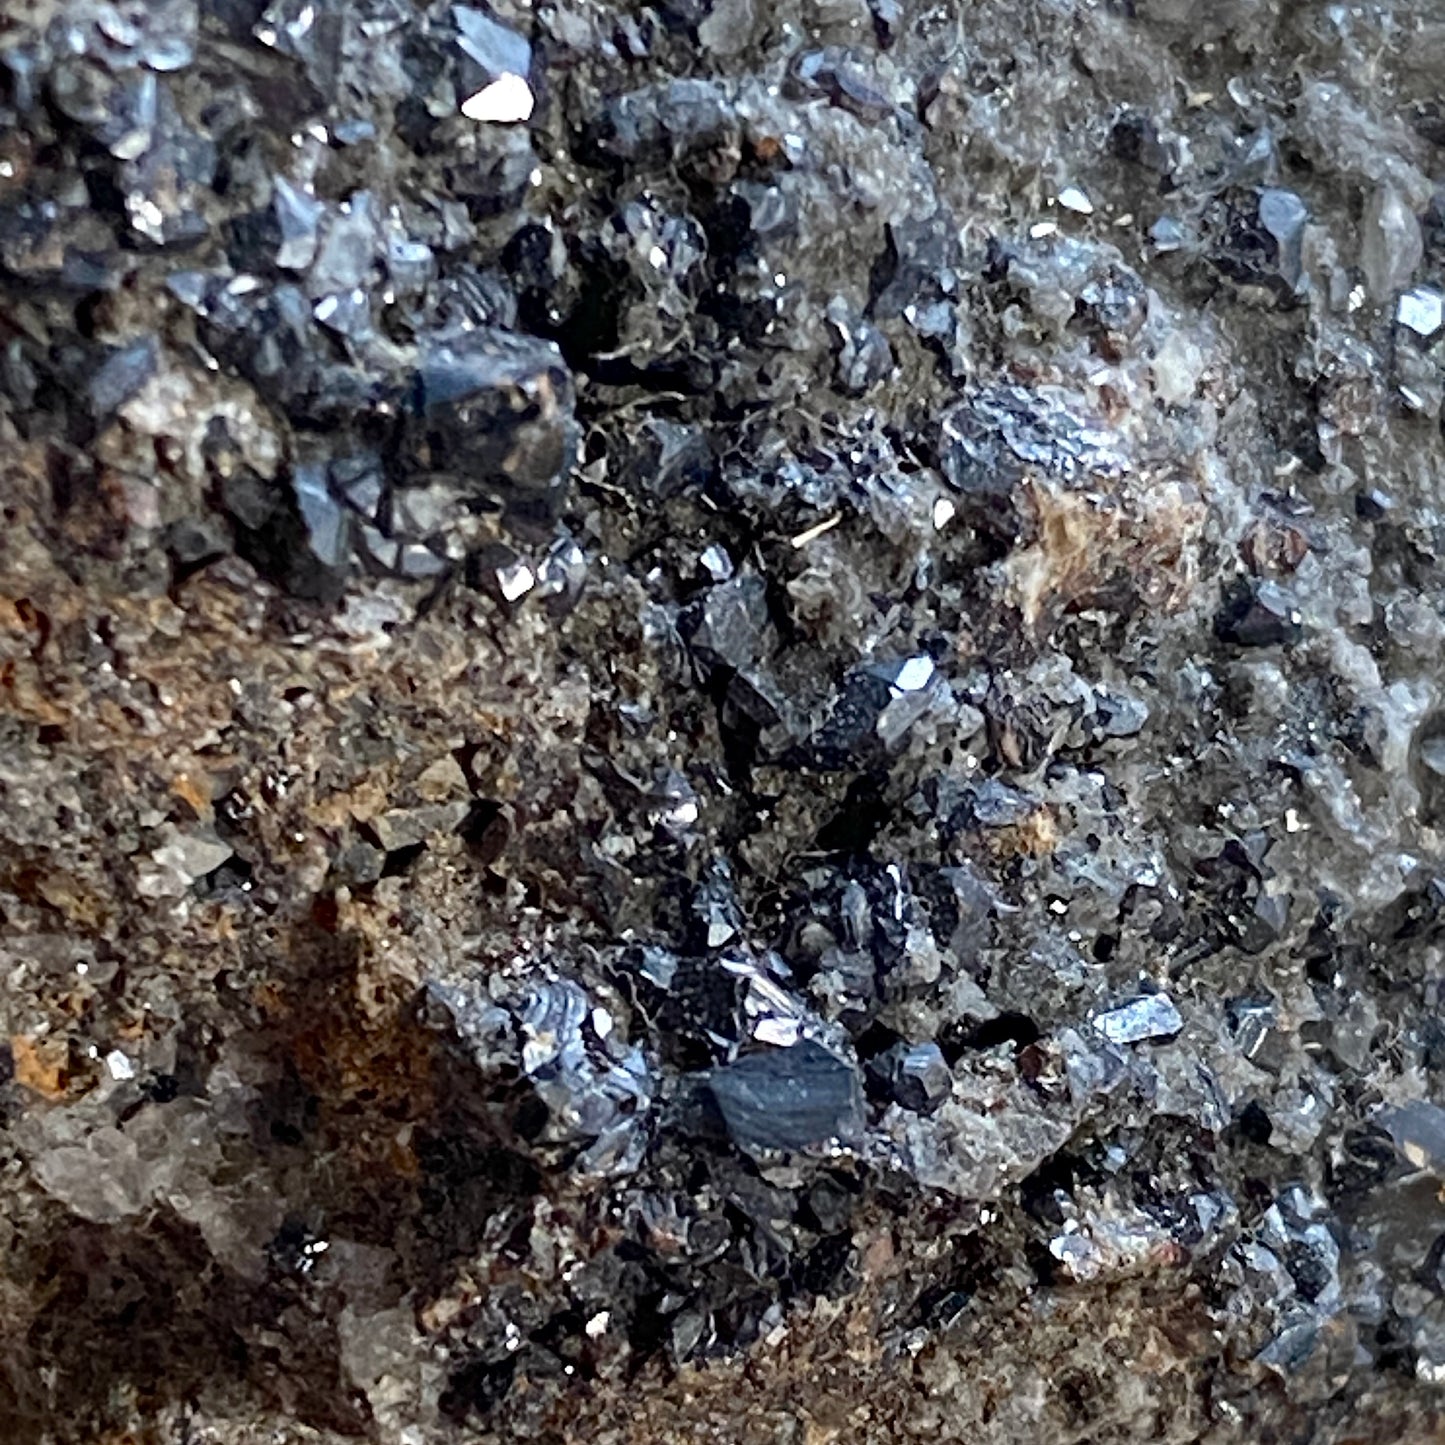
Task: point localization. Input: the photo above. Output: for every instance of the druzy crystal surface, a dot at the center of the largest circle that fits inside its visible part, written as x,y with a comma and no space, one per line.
722,721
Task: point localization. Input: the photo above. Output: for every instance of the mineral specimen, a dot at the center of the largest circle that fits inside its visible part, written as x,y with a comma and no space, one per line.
722,721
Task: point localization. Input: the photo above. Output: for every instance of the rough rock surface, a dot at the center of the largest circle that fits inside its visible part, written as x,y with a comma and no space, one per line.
721,721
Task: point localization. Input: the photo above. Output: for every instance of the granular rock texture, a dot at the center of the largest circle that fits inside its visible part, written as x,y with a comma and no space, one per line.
722,721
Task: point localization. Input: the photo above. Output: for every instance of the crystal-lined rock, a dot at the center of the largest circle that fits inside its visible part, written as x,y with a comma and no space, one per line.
722,696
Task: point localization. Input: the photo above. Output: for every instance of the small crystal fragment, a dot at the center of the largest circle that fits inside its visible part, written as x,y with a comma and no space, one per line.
1373,505
788,1098
496,49
1262,245
1151,1016
192,855
917,1076
562,575
495,68
347,248
326,523
298,216
719,565
496,409
103,1178
1391,246
729,627
119,1066
515,580
506,101
1421,311
913,674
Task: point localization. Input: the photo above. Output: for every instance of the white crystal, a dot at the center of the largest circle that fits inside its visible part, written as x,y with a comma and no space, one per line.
681,814
719,565
1071,198
780,1032
914,674
1421,311
506,101
515,580
718,933
119,1066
